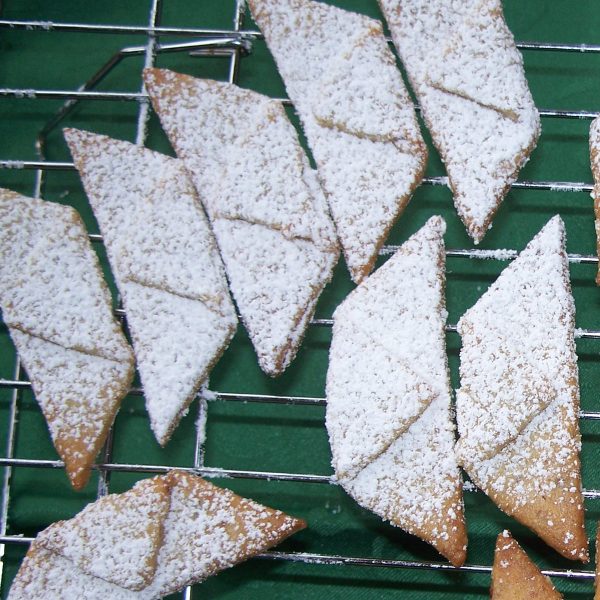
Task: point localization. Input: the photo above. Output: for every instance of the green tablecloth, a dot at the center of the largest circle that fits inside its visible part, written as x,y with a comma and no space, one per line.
285,438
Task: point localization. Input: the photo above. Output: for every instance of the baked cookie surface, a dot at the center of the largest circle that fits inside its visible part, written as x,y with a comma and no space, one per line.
166,265
263,201
515,577
518,405
388,396
59,314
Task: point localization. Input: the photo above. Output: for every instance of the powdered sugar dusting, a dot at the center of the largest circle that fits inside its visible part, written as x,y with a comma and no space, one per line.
473,94
519,398
166,265
388,396
209,529
58,310
356,113
45,574
52,285
117,537
275,237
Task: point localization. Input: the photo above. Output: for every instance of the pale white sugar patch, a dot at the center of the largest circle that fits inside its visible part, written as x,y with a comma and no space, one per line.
362,92
356,114
473,94
389,418
481,61
166,265
275,236
499,254
117,537
14,164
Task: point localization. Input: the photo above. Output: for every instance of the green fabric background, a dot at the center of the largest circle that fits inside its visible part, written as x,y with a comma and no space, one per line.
282,437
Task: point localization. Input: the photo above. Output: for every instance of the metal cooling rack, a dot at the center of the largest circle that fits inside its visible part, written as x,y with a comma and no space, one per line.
233,43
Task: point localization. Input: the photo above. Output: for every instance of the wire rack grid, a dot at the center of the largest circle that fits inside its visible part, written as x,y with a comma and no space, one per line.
318,559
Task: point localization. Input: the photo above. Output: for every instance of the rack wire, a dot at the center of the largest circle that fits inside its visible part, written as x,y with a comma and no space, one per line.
233,43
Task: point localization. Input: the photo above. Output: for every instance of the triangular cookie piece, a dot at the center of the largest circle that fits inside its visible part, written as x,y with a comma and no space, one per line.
116,538
45,574
166,265
473,95
58,311
209,529
356,113
79,395
388,377
517,409
595,164
269,216
515,577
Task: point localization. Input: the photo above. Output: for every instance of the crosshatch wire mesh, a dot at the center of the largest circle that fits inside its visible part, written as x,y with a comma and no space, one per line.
251,442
